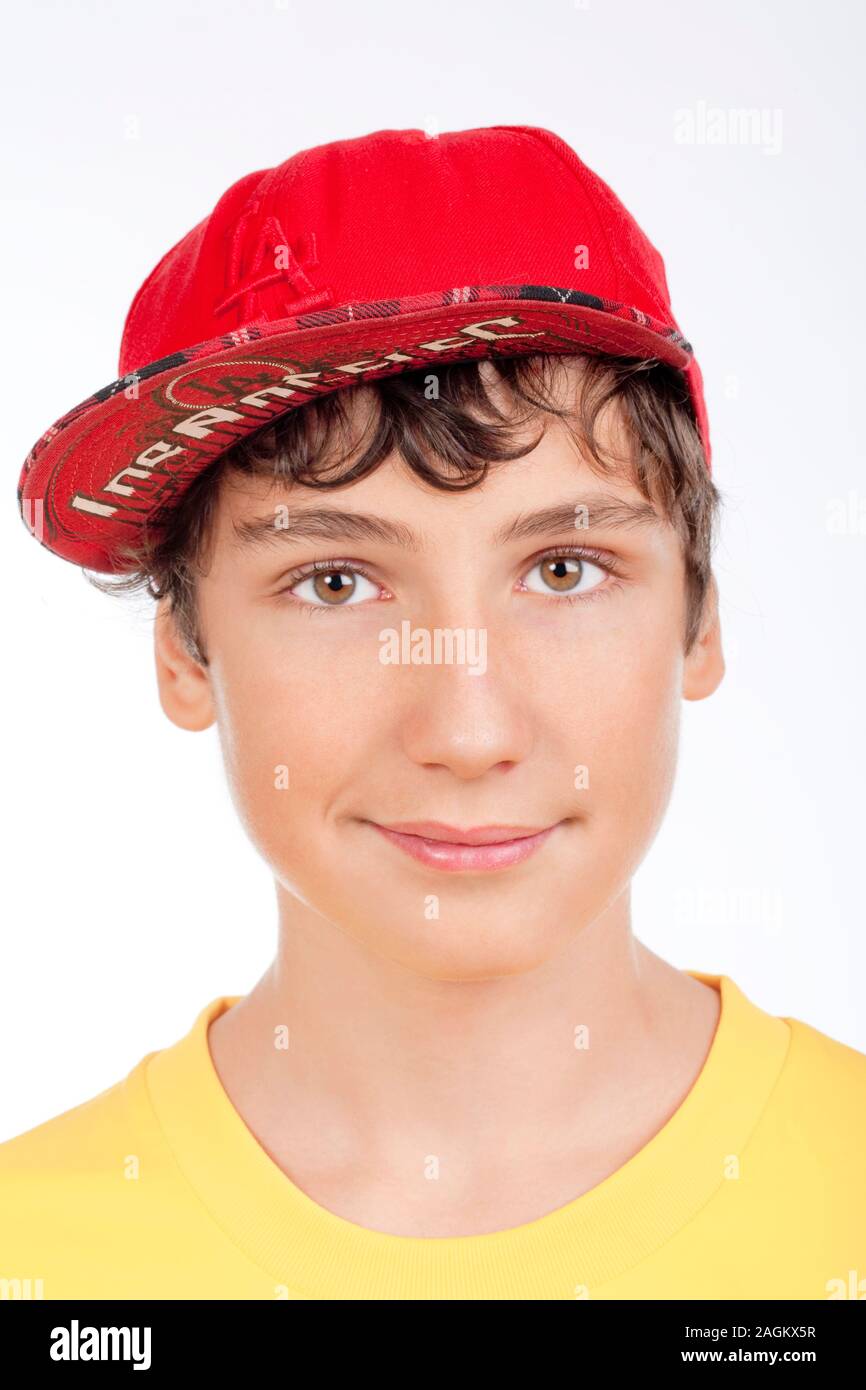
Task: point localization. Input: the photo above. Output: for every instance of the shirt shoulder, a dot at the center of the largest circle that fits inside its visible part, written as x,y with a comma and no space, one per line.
818,1108
815,1058
82,1191
82,1139
94,1204
58,1169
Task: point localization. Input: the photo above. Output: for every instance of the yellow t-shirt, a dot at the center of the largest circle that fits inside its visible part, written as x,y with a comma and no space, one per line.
155,1188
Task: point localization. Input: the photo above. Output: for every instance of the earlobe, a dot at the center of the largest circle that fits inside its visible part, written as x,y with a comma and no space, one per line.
704,665
184,684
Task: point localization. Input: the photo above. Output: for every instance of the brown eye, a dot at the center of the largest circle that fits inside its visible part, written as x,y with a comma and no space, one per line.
561,573
337,586
564,574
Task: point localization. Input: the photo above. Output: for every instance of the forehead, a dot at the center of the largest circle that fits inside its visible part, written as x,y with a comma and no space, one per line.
555,473
518,500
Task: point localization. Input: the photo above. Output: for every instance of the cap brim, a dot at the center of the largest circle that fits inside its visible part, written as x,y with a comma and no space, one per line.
128,452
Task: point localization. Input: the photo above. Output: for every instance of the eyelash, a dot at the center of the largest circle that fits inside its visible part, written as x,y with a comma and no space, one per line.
602,558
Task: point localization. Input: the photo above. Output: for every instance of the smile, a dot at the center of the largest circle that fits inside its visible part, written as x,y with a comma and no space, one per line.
481,848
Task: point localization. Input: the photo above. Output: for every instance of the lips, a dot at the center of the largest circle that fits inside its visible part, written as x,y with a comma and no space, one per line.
476,835
455,849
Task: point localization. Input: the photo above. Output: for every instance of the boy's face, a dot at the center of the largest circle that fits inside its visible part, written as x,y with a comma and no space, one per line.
561,714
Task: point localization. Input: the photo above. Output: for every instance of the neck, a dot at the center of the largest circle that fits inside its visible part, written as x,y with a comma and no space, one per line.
344,1061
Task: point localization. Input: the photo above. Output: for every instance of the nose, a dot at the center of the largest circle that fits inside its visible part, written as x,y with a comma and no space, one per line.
468,724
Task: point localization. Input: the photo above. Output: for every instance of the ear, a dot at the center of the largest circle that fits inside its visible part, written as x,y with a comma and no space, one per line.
704,666
184,684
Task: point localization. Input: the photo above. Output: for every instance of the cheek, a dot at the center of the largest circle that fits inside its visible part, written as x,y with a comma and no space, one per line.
293,726
631,699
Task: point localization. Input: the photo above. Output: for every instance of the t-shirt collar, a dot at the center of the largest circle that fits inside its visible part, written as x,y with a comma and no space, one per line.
583,1244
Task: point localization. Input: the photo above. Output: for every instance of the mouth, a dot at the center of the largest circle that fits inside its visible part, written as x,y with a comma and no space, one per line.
477,849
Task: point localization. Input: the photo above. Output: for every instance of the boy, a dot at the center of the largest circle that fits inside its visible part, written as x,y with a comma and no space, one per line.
462,1076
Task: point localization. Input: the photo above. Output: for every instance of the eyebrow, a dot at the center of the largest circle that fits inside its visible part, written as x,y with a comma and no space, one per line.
604,511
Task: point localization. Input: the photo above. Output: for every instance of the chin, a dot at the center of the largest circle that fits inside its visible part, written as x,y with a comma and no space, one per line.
468,944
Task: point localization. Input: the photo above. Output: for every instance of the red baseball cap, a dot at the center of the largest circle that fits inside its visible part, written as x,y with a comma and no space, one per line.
349,262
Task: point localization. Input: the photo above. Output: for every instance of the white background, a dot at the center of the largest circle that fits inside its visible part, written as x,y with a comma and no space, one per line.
130,895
